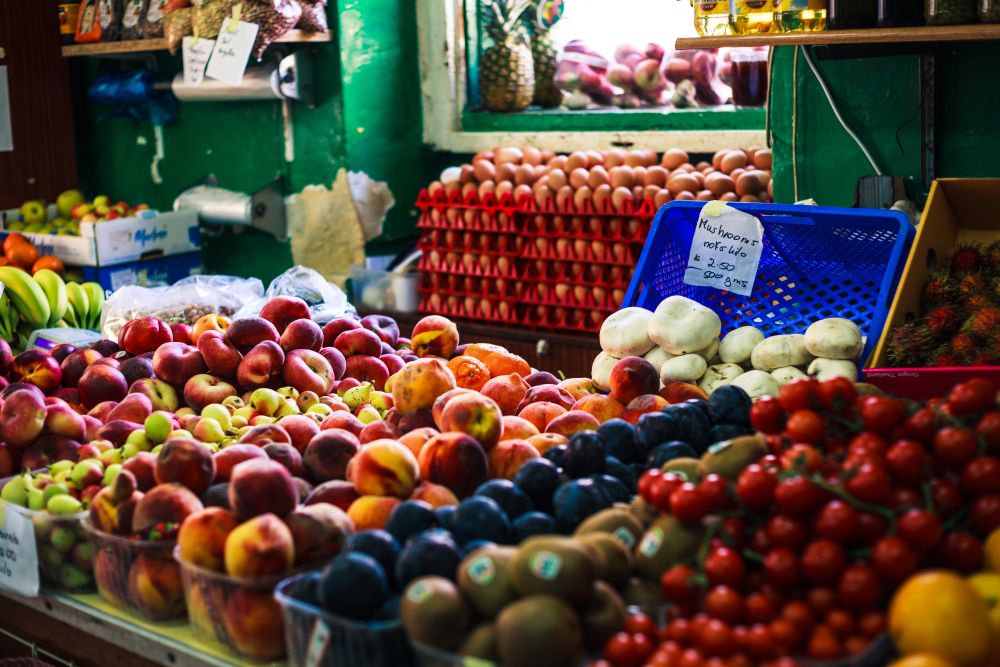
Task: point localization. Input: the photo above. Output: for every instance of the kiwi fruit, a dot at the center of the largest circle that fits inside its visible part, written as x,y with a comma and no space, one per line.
729,458
434,613
557,566
481,643
644,511
668,542
616,521
484,578
603,617
685,465
647,595
614,560
539,630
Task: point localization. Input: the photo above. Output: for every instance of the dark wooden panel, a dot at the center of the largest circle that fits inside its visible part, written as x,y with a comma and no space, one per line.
43,162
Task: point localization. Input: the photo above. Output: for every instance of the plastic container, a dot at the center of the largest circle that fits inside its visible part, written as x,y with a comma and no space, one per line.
317,638
241,614
136,576
895,13
950,12
385,290
432,657
989,11
816,262
64,556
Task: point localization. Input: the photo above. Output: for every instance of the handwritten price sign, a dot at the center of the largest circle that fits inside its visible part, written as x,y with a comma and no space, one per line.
18,555
725,250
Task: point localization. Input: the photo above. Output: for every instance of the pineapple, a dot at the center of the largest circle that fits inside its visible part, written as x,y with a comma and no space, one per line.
545,56
506,72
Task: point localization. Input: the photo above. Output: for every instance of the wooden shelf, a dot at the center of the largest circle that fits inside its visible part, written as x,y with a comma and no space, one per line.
151,45
941,33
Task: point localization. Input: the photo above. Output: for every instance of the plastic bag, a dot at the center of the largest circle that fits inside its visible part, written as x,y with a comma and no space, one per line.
177,24
274,18
152,19
326,300
313,16
109,17
133,12
207,17
184,302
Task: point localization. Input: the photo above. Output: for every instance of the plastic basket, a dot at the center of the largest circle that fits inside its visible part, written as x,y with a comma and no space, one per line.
317,638
816,262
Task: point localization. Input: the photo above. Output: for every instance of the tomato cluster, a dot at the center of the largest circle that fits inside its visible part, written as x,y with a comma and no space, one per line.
803,548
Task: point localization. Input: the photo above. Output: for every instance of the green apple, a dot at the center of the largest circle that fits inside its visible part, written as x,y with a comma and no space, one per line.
102,200
63,504
58,489
15,226
33,212
158,426
368,414
110,473
289,392
36,499
59,466
219,413
67,201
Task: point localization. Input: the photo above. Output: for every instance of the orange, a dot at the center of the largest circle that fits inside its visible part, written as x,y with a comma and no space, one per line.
470,373
499,360
991,552
14,239
922,660
23,255
48,262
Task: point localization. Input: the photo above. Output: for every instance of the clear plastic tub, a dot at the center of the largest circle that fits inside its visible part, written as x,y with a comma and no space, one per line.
139,577
64,556
241,614
950,12
432,657
318,638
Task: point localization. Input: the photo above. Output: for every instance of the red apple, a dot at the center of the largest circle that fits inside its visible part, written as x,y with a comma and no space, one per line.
221,357
176,363
263,362
101,383
307,370
283,310
145,334
334,328
245,334
302,334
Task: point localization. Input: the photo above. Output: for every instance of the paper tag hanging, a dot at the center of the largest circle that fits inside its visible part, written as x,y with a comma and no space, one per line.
231,51
18,555
196,53
319,639
725,250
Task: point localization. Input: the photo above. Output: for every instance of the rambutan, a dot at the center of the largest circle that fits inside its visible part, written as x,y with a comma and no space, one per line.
944,357
909,344
939,289
982,359
977,301
970,284
943,321
964,344
984,322
967,258
992,256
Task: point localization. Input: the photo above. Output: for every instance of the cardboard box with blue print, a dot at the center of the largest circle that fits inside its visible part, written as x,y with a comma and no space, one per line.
112,242
147,273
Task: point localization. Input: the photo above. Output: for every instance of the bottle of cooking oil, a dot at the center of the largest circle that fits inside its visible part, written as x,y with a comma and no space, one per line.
711,17
800,15
751,17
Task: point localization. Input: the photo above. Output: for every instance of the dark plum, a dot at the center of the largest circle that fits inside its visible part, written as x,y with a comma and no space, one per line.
480,518
512,500
669,451
584,455
409,518
620,440
539,479
730,404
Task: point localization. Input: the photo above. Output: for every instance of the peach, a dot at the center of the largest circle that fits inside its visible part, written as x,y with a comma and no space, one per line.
111,510
343,420
543,442
202,603
176,363
59,353
144,334
22,417
137,368
109,361
540,414
261,486
301,334
307,370
101,383
411,421
206,323
336,359
164,504
455,460
508,456
601,406
254,624
142,466
334,328
435,495
434,336
204,389
572,422
221,357
437,410
245,334
372,512
476,415
286,455
160,394
202,537
61,419
417,438
393,362
337,492
383,326
109,575
507,391
181,332
259,547
185,461
678,392
420,383
48,448
384,468
101,411
281,311
358,342
547,393
70,396
154,586
265,434
37,367
300,429
579,387
378,430
9,460
328,454
75,364
229,457
133,408
541,377
517,428
260,364
641,405
319,531
632,377
365,368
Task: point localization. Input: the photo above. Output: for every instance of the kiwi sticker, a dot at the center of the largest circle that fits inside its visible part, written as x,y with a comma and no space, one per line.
419,592
481,570
651,542
625,536
545,565
549,13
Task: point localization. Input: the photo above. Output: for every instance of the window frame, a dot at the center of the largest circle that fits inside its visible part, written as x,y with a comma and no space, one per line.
449,126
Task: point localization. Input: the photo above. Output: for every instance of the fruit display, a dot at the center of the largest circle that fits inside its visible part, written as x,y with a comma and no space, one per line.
961,314
21,253
506,69
71,209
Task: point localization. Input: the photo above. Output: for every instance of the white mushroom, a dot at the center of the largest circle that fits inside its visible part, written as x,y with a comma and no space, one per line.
834,338
757,384
600,373
780,351
685,368
682,326
719,375
658,356
737,345
625,333
827,369
787,374
710,352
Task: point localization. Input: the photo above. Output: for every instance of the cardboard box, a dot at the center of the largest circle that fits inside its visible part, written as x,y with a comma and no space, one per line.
147,273
959,210
121,240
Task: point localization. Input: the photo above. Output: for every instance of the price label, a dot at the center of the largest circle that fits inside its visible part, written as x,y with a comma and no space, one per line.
196,53
18,556
231,51
318,641
725,250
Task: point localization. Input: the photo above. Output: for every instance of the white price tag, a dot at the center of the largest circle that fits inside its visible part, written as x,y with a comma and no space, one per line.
18,556
318,641
725,250
232,49
196,53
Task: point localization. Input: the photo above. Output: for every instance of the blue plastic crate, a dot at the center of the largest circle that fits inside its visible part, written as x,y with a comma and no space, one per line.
816,262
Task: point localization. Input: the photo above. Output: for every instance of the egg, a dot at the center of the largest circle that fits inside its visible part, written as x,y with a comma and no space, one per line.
547,155
614,157
619,196
656,175
595,224
640,176
637,192
681,182
704,195
522,191
700,177
524,175
483,170
543,195
503,264
483,155
563,196
486,187
622,177
747,184
506,172
684,196
762,158
602,197
662,198
558,222
577,160
751,151
531,155
674,157
580,249
652,158
583,194
578,178
650,192
717,158
733,160
541,171
719,183
598,177
770,189
594,158
764,177
504,188
635,159
736,173
594,271
557,178
702,166
749,198
508,154
435,187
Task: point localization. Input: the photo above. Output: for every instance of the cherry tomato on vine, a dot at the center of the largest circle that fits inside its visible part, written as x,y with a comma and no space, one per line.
716,639
903,497
921,425
755,487
732,531
801,457
894,559
800,394
798,496
823,561
984,515
821,600
867,443
640,623
689,503
645,484
824,645
725,603
921,529
760,642
871,527
946,495
805,426
989,430
716,489
725,566
782,568
624,651
841,622
881,414
859,588
760,608
955,446
981,475
976,395
677,584
662,489
960,551
785,531
870,484
799,613
837,395
837,521
906,461
767,415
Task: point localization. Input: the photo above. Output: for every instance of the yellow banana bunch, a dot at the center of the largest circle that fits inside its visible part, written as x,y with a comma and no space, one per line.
27,296
9,318
95,301
79,305
55,292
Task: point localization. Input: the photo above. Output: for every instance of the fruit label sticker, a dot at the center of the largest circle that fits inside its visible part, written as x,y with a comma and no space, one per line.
549,13
18,557
625,536
725,250
481,570
651,542
232,49
419,592
545,565
319,639
196,53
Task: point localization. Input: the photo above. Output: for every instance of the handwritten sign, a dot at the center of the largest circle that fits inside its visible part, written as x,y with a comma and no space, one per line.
231,51
319,639
18,555
725,250
196,53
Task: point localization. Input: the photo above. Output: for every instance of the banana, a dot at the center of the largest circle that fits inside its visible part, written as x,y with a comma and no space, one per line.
55,292
27,296
70,316
9,318
95,296
79,302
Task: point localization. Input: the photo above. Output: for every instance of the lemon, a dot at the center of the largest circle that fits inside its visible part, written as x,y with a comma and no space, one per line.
987,585
991,551
938,612
922,660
